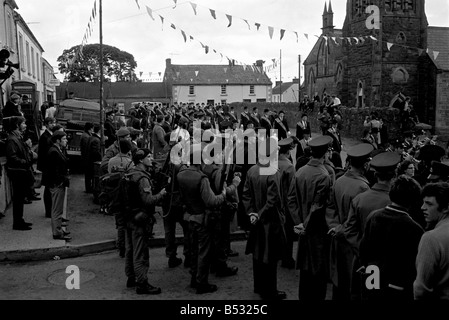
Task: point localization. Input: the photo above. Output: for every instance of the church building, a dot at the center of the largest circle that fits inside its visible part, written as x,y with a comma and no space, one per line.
379,67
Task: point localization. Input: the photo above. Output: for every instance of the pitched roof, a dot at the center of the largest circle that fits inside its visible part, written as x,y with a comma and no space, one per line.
283,87
313,55
113,90
438,40
216,75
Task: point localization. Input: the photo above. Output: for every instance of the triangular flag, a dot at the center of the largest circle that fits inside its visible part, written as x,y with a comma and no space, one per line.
207,49
420,51
95,7
215,50
356,40
270,31
230,20
202,44
282,33
193,7
150,12
175,1
373,38
212,12
362,40
389,45
297,38
196,73
162,21
159,73
191,38
435,54
137,2
306,35
141,73
184,35
93,13
247,24
173,26
257,25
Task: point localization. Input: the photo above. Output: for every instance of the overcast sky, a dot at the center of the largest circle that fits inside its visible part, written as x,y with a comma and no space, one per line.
61,24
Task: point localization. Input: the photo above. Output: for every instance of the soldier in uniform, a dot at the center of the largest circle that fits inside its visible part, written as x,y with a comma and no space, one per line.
141,202
439,172
390,242
346,188
363,204
263,202
287,172
200,201
308,198
109,128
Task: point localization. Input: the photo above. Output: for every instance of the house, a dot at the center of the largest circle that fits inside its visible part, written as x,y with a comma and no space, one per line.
215,84
381,64
286,91
121,94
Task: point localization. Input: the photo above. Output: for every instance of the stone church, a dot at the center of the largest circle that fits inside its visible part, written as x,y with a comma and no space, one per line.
383,66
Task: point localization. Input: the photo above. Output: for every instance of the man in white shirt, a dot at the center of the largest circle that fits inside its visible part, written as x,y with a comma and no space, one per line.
51,110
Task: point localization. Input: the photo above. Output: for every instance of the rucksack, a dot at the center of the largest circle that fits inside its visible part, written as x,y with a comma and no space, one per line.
113,191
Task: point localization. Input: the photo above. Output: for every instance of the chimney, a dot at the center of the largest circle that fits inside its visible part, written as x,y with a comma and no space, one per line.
278,83
168,62
295,80
259,63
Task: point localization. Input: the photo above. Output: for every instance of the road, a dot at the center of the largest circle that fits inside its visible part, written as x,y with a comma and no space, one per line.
102,277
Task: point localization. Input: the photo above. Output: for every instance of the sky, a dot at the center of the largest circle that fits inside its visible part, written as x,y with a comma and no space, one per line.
62,24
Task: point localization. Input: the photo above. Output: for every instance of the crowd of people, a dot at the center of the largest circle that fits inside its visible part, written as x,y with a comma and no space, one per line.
386,206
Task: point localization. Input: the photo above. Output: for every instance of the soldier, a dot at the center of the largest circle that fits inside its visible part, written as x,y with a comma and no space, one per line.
363,204
346,188
199,199
287,172
308,199
114,149
390,242
109,128
141,206
158,139
263,202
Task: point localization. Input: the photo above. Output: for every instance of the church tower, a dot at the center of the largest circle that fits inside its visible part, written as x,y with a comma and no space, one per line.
328,20
377,70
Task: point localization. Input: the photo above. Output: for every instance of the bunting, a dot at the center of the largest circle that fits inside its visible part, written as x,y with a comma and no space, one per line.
150,12
184,35
193,7
162,21
230,20
282,33
212,12
420,51
435,54
270,31
257,26
137,2
297,38
247,24
389,45
173,26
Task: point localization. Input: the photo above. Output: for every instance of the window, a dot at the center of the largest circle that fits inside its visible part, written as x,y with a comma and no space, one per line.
37,66
32,63
191,89
223,89
11,32
247,100
28,57
211,102
21,52
251,89
223,102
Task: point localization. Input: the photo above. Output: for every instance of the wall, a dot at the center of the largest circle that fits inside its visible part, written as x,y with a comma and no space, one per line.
234,93
442,104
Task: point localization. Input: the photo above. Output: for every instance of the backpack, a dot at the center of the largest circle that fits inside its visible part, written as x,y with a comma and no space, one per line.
114,188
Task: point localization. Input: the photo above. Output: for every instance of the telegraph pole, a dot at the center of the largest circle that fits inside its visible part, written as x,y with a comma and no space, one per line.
299,78
280,76
101,82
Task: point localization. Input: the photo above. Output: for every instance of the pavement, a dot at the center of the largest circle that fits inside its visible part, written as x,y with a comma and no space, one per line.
91,231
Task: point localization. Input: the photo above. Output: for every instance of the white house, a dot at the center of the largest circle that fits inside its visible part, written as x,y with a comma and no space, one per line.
214,84
286,91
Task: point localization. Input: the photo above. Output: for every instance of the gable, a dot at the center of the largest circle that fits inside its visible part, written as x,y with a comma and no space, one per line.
438,40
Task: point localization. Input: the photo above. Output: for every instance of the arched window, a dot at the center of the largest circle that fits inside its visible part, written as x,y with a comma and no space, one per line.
401,38
360,95
311,82
339,74
399,75
323,59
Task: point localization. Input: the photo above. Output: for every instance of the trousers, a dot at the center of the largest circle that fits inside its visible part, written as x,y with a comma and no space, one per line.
137,256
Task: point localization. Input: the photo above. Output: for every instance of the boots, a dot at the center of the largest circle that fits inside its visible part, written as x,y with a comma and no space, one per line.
146,288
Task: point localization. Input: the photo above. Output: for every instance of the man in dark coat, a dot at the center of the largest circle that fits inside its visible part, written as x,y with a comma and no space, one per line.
245,117
281,125
58,181
391,241
18,166
265,122
255,118
308,198
303,127
109,128
42,161
88,130
346,188
263,202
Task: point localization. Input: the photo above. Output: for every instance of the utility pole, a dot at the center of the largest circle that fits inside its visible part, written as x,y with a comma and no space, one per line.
101,83
299,78
280,76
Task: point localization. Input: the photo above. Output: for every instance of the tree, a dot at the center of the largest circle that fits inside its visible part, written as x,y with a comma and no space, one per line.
85,67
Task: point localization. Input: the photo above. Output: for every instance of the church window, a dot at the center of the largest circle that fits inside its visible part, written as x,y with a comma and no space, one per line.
339,74
311,83
400,75
401,38
409,5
